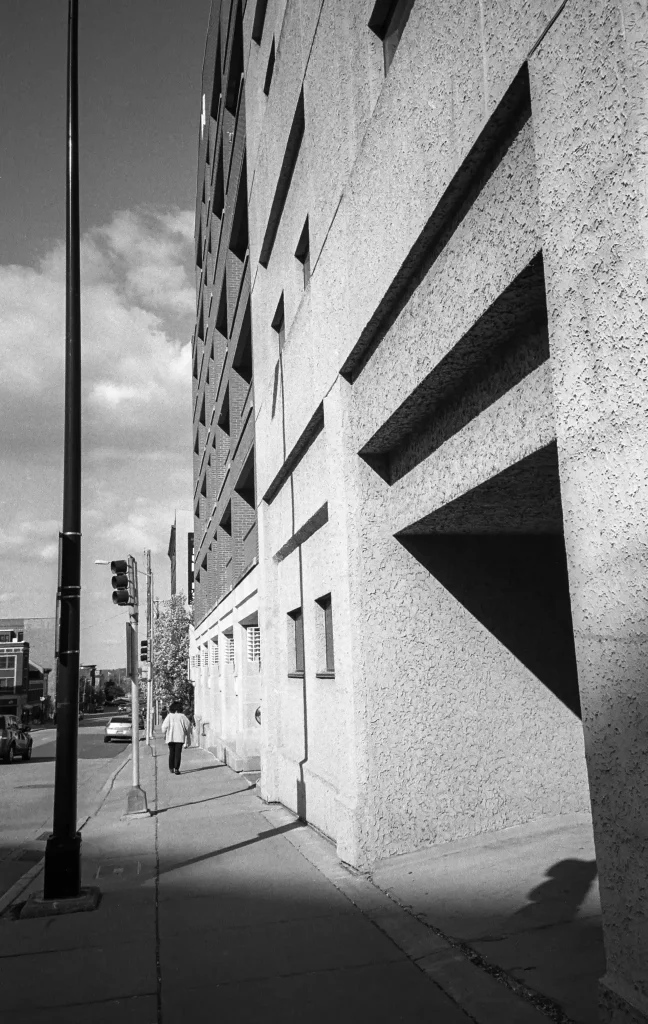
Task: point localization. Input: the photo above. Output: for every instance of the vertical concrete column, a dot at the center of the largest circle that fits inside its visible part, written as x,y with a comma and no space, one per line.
589,82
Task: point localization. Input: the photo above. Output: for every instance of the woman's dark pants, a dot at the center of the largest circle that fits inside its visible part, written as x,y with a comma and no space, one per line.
175,753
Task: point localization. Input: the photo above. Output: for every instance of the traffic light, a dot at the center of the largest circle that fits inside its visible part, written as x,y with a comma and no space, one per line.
143,650
124,581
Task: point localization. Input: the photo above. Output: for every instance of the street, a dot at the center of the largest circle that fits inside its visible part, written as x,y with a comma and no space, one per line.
27,793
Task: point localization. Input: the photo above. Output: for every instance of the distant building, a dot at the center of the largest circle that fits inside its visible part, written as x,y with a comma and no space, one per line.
39,633
181,544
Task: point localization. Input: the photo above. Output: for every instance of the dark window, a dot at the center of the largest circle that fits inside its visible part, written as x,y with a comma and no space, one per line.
388,21
279,322
224,418
297,628
245,482
259,18
219,188
302,252
239,240
269,69
236,64
221,315
242,361
327,633
217,87
293,146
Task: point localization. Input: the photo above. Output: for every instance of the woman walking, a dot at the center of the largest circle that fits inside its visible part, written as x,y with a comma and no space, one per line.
176,728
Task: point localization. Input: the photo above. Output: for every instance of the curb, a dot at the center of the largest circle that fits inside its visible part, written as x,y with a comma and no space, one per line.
22,883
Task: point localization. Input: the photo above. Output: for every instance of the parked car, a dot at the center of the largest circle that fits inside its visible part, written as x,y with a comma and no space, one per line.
14,739
120,728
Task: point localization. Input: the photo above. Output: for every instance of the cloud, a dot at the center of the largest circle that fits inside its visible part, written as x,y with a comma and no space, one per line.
137,311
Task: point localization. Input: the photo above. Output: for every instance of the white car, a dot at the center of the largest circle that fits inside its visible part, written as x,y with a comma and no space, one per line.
120,728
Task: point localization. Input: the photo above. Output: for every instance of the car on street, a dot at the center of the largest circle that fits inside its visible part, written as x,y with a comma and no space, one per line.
119,727
15,740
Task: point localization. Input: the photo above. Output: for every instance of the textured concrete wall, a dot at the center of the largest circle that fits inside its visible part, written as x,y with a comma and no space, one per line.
453,709
589,86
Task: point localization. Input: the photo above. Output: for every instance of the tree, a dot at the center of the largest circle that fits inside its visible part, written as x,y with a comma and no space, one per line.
171,654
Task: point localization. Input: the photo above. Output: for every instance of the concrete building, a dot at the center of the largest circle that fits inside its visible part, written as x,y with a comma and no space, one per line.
181,541
448,310
225,642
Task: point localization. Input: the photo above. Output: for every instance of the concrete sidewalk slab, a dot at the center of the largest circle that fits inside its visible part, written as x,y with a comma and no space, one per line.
525,899
220,905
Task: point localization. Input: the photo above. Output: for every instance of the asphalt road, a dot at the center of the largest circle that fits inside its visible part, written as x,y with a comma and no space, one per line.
27,793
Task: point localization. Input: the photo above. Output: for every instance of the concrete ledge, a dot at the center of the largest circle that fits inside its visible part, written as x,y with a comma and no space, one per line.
617,1009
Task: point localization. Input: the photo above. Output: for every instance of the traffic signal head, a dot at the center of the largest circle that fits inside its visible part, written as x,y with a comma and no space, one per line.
143,650
123,582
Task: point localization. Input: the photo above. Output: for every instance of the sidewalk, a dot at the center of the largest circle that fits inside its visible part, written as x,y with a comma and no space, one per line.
222,907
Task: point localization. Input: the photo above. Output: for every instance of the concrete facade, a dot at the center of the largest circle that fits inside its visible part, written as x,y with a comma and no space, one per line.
448,282
225,639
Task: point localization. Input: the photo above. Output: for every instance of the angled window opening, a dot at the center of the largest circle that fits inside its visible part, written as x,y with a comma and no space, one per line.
201,322
388,21
269,70
196,446
245,483
203,486
221,315
239,238
219,187
226,520
199,249
236,63
293,146
279,323
224,418
259,19
302,252
242,361
202,412
218,81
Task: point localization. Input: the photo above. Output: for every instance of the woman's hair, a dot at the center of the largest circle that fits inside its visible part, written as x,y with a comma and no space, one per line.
176,707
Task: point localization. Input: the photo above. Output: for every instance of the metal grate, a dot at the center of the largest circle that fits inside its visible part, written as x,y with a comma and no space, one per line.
253,643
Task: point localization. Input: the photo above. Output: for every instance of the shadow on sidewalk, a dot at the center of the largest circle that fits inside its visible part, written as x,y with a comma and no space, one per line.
206,800
270,834
204,768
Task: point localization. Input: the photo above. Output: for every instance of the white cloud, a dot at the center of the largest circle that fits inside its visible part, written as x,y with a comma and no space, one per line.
138,308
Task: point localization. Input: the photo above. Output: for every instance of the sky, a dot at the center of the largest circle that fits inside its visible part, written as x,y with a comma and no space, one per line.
140,67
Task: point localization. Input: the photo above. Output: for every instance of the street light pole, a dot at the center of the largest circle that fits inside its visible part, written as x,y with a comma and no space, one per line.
63,850
62,891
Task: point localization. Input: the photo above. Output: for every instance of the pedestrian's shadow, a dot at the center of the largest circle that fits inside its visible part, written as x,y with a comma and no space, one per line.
559,898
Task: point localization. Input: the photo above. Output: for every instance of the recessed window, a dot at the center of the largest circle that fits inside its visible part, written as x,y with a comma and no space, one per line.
269,69
242,361
239,234
325,651
259,19
296,641
221,315
229,648
214,651
388,21
302,252
218,85
279,323
253,638
236,64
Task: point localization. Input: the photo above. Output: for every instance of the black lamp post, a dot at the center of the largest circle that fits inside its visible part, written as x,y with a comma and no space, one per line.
63,850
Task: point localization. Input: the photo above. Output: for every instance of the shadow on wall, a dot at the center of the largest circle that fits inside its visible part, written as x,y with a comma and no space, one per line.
499,550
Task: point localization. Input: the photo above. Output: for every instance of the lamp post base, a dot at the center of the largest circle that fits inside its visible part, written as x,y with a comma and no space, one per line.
36,906
137,803
62,867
